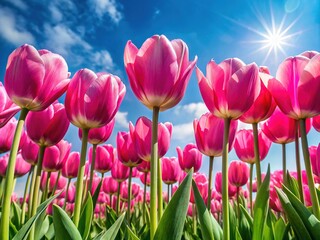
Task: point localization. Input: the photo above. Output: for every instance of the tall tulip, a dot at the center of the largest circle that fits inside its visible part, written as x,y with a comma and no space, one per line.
56,156
296,91
7,108
209,140
158,74
229,90
189,157
92,101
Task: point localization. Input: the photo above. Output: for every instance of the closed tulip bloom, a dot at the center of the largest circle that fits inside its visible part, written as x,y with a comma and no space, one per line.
243,145
127,153
170,170
56,156
159,71
216,206
309,54
92,100
104,158
35,79
208,131
274,201
201,181
99,135
29,151
4,164
22,167
109,185
62,181
47,127
316,123
307,197
70,194
135,188
281,129
7,134
189,157
230,88
71,166
232,190
141,136
296,87
7,108
238,173
315,159
119,171
145,181
144,166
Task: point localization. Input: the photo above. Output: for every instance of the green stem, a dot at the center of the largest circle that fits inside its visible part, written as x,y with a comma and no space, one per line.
2,181
168,192
306,155
194,219
79,184
256,153
8,187
45,194
159,186
35,198
118,199
211,158
238,206
31,190
129,196
298,164
284,163
66,197
145,196
110,197
23,206
225,195
56,184
154,173
93,160
250,188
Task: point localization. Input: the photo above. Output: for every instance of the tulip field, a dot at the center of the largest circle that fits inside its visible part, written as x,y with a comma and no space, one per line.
134,190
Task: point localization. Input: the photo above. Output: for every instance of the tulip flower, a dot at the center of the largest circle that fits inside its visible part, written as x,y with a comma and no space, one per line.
29,151
109,185
7,108
126,150
55,182
70,167
158,74
104,158
3,164
92,101
7,136
22,167
315,159
316,123
144,167
189,157
238,173
55,156
170,170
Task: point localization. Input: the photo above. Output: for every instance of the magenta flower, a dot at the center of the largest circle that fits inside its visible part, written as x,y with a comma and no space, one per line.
104,158
35,79
71,166
47,127
232,190
170,170
62,181
119,171
144,167
189,157
316,123
315,159
22,167
7,108
238,173
4,164
92,99
7,134
159,71
208,131
29,151
109,185
56,156
127,153
230,87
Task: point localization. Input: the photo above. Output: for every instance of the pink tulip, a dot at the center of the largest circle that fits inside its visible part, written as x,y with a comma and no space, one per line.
281,129
238,173
315,159
296,87
159,71
95,183
309,54
92,100
263,106
127,153
62,181
316,123
99,135
4,164
109,185
170,170
216,206
243,145
274,201
144,166
70,195
104,158
307,197
119,171
6,136
135,188
201,181
189,158
230,87
56,156
22,167
7,108
35,79
208,131
71,166
147,180
29,151
141,136
47,127
232,190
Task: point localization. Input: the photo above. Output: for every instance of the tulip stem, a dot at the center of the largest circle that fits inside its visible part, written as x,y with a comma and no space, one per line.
306,155
66,196
8,187
298,164
35,198
118,199
284,163
159,186
225,197
129,195
56,184
45,194
238,206
145,196
79,184
256,153
93,160
154,173
194,218
31,190
250,188
168,192
211,158
23,206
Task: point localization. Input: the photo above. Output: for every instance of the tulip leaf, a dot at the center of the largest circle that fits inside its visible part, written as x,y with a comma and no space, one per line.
247,215
131,234
45,224
268,230
172,222
280,229
16,215
245,227
309,220
64,228
25,230
96,194
112,232
294,219
86,218
232,222
206,224
261,208
292,184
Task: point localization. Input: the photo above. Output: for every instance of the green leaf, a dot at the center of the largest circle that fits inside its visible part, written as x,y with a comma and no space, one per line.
247,215
64,228
245,227
294,219
280,229
86,218
96,194
232,222
45,224
268,231
172,221
309,220
261,208
25,230
131,234
292,184
16,212
203,214
112,232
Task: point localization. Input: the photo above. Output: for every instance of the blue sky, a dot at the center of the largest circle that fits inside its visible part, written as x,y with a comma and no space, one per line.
93,34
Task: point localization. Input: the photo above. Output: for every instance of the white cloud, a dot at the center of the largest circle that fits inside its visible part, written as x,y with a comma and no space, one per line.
56,14
183,132
13,28
18,4
193,109
122,119
109,7
242,125
102,60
